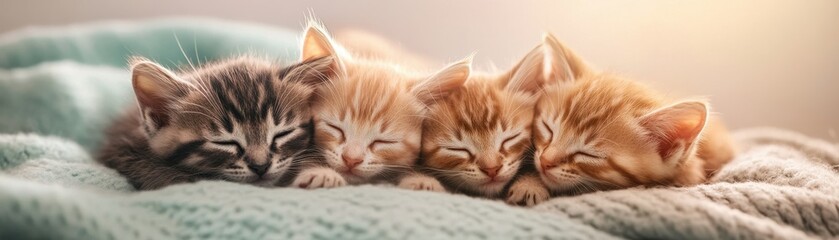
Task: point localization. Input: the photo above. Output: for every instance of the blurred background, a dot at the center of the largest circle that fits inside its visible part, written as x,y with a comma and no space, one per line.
761,62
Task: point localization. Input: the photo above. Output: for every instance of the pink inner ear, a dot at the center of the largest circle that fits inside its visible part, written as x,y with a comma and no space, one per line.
677,127
154,103
315,45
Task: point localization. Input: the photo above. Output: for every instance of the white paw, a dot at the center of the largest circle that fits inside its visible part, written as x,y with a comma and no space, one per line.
319,178
422,183
527,192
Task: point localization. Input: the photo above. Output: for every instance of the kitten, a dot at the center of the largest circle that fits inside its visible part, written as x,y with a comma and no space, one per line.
243,120
368,115
475,140
596,131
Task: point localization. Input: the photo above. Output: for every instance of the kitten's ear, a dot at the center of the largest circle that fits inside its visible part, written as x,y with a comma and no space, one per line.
442,83
155,88
317,44
563,65
528,74
676,129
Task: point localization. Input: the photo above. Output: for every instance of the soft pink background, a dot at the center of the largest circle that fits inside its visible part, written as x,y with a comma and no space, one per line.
761,62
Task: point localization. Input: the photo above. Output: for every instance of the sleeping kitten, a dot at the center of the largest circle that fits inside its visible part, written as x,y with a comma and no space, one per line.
368,115
596,131
475,140
243,120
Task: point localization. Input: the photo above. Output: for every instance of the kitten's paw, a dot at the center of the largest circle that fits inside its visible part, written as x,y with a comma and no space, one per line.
527,192
422,183
319,178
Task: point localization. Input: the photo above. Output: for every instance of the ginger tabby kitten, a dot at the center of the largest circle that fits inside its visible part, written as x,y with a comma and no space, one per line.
475,140
596,131
368,116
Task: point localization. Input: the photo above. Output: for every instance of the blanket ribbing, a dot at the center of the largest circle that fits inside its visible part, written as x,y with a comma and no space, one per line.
782,186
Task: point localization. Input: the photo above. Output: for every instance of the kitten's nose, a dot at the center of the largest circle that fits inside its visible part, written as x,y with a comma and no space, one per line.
259,169
351,162
491,171
546,164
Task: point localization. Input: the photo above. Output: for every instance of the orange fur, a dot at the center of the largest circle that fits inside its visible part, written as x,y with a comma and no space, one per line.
595,130
475,140
368,117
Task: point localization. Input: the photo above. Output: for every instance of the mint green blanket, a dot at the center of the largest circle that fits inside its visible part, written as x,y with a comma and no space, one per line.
60,86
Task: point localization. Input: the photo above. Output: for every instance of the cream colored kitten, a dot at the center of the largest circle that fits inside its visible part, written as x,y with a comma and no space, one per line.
596,131
368,116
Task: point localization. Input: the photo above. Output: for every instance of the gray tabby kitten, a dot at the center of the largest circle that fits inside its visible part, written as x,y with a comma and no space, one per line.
242,120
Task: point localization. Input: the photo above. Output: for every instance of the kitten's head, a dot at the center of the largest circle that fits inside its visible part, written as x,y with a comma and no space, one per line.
242,120
369,114
596,131
474,139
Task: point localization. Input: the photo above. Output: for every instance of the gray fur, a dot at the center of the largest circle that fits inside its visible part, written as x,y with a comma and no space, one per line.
243,120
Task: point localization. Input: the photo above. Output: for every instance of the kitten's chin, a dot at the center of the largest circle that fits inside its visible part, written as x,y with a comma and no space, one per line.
561,184
485,188
359,176
265,182
353,178
493,188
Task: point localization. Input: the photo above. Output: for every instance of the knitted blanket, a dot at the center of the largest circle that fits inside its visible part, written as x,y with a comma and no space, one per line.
60,86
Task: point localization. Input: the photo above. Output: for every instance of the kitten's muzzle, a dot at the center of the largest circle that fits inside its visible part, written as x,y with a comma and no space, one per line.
351,161
490,165
545,163
259,169
491,171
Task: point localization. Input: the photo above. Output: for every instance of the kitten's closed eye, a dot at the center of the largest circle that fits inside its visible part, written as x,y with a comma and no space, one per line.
381,143
586,154
505,145
280,136
586,157
463,152
338,130
231,145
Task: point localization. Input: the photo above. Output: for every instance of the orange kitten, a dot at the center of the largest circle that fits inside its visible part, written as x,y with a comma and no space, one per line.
596,131
368,115
475,140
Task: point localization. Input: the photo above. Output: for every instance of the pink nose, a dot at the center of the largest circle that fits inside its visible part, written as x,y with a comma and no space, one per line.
491,171
351,162
546,164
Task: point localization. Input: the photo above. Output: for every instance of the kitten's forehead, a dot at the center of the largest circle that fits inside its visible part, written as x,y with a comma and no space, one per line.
482,107
589,104
374,96
243,93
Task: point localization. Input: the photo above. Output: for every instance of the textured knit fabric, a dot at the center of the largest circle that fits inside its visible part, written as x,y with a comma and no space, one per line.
782,186
59,87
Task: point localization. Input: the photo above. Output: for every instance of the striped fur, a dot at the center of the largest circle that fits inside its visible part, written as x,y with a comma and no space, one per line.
243,120
595,131
368,116
475,140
